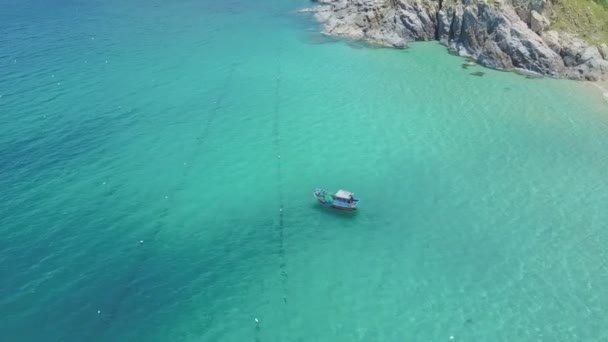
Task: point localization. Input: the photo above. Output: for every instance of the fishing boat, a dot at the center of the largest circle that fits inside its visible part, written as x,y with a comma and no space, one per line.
343,200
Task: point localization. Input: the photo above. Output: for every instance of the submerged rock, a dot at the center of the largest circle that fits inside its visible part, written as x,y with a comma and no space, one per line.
503,35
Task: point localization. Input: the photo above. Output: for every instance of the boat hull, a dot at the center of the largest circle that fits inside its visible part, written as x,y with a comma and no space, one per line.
343,208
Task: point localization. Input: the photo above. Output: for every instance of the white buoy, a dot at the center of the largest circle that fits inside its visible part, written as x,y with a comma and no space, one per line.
98,312
141,241
281,209
104,183
166,196
256,320
451,337
278,156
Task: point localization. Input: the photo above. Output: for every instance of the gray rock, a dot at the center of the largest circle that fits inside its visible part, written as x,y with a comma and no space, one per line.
591,52
604,51
322,16
538,22
522,8
456,25
572,49
419,18
443,25
551,38
540,6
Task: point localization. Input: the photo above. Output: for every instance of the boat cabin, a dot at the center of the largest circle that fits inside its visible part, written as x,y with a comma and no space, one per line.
345,196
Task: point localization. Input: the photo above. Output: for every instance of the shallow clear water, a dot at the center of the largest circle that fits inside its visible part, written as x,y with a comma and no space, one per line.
189,124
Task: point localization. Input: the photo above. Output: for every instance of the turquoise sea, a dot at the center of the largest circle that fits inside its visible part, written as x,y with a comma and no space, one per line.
157,163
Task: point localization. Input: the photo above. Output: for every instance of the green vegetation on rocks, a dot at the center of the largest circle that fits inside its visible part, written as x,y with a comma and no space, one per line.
586,18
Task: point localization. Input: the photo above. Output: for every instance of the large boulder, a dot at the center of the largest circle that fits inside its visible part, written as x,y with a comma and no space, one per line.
604,51
538,22
551,38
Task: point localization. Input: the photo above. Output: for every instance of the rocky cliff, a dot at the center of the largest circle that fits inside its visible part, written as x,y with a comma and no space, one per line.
501,34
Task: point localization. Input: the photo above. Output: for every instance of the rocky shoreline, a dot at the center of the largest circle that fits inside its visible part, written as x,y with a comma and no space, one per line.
500,34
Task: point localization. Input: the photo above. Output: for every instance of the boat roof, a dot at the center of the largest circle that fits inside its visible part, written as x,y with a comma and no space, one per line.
344,194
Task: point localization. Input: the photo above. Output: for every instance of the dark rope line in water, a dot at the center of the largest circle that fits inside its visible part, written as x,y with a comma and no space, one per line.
280,226
277,144
111,313
218,105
